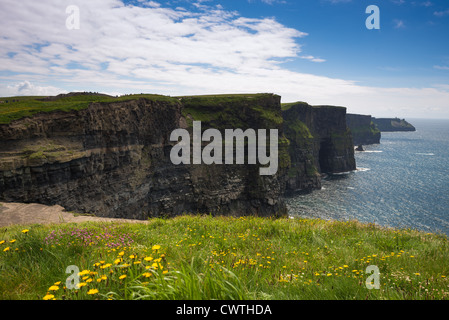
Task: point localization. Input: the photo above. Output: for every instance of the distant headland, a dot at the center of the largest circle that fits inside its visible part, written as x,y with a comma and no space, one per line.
393,124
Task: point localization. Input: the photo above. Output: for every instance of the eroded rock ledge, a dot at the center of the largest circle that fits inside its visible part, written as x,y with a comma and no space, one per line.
112,159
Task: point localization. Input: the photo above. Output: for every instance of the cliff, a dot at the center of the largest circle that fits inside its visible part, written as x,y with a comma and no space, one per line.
393,124
111,156
363,129
320,142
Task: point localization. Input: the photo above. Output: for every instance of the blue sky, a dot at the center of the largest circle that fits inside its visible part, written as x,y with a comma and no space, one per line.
315,51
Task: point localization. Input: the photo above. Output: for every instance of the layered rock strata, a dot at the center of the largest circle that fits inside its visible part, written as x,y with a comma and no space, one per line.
112,159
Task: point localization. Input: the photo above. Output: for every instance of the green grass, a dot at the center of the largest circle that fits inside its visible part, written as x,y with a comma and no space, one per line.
203,257
26,106
231,110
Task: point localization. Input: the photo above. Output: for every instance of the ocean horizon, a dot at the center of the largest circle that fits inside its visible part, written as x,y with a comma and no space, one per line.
400,183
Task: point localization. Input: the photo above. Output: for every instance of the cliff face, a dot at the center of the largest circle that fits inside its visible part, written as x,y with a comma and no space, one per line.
113,158
109,159
320,142
393,124
363,129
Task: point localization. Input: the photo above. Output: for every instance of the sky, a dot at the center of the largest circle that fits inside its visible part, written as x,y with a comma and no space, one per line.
320,52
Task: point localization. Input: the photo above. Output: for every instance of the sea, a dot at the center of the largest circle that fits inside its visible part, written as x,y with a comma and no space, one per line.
403,182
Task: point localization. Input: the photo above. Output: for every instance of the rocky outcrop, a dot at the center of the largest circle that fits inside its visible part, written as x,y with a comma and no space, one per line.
109,159
363,129
393,124
112,159
320,142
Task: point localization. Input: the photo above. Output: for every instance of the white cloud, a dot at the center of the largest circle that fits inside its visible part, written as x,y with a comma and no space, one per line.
441,13
441,67
26,88
399,24
174,51
312,58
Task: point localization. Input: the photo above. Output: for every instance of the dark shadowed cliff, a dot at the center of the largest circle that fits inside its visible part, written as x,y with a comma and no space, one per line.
363,129
393,124
320,142
112,158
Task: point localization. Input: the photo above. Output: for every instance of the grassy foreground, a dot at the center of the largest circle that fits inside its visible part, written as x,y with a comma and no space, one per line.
202,257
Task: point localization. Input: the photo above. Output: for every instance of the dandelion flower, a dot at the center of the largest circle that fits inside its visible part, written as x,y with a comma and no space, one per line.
156,247
92,291
148,258
12,241
25,230
82,273
48,297
6,249
123,276
82,284
53,288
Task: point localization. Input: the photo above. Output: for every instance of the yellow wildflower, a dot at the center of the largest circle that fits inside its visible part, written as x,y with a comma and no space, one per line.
25,230
123,276
82,273
156,247
48,297
92,291
53,288
6,249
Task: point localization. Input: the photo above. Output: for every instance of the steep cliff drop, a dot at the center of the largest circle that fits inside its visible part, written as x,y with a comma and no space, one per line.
393,124
363,129
320,142
111,157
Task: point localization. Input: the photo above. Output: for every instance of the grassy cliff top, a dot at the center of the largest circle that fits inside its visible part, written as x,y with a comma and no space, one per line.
14,108
233,110
287,105
204,257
